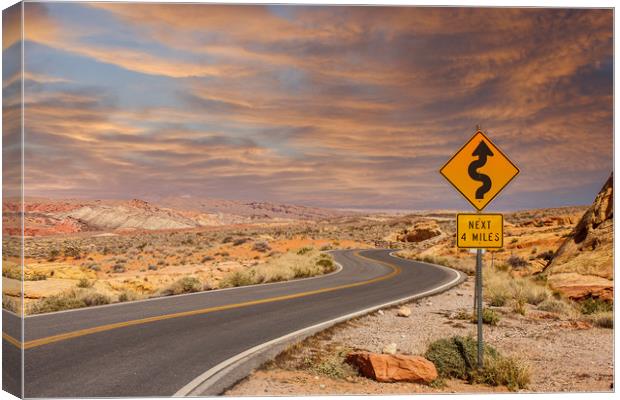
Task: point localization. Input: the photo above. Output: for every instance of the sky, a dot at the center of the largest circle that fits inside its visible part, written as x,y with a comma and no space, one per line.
345,107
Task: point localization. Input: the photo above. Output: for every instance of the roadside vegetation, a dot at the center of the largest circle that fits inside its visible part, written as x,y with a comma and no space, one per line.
74,298
456,357
303,263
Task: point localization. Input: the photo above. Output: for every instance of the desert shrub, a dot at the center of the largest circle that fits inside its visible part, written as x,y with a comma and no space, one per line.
187,284
11,270
9,304
72,250
518,306
603,319
94,267
456,357
326,247
334,367
554,306
227,239
490,317
535,294
239,242
69,300
238,278
304,250
152,267
261,246
127,295
53,255
95,299
284,267
85,283
508,371
463,314
118,268
326,263
593,306
547,255
516,262
207,258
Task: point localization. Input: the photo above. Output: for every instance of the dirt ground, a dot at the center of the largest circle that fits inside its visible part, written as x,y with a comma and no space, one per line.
564,355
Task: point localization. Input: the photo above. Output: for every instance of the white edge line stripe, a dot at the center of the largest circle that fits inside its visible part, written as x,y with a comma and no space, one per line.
203,292
195,383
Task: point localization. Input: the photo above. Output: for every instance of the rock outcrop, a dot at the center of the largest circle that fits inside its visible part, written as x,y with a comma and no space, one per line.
583,265
420,232
393,367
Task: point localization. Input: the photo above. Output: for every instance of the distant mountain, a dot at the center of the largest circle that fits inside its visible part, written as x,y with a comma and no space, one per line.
253,210
46,217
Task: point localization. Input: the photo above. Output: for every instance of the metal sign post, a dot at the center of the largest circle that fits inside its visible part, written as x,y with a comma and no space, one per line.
479,304
479,171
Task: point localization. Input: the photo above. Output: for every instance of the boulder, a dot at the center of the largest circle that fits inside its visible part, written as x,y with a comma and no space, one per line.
404,311
420,232
393,368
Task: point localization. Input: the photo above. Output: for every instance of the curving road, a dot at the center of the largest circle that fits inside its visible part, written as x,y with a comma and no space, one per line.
162,347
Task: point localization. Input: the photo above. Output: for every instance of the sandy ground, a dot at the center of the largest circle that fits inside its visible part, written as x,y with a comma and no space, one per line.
561,354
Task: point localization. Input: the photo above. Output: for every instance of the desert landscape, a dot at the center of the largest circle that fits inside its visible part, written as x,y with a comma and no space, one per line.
261,199
553,279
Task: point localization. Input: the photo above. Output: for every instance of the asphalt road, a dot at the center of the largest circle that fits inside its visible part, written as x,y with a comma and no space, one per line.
155,347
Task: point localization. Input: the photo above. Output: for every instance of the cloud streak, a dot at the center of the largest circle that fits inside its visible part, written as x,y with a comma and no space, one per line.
327,106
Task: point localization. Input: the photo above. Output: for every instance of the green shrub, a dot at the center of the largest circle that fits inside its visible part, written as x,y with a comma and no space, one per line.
187,284
456,357
490,317
593,306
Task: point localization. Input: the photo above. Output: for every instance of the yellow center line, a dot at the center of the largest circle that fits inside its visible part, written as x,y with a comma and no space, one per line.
102,328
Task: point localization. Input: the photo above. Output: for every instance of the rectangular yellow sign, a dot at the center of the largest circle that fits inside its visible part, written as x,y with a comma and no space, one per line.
480,231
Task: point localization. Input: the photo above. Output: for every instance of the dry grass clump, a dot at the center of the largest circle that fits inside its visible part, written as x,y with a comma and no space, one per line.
501,289
604,319
555,306
290,265
187,284
10,304
74,298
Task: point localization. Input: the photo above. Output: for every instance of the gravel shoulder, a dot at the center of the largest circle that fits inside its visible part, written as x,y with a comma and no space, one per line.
564,355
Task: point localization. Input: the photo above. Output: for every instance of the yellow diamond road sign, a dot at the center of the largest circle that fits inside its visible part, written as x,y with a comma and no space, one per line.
479,171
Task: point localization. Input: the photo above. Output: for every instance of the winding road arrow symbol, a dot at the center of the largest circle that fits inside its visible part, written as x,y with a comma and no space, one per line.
482,152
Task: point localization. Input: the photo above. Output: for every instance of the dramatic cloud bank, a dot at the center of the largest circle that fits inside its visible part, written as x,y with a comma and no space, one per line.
325,106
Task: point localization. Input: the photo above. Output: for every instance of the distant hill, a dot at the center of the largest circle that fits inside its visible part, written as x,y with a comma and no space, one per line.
47,217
